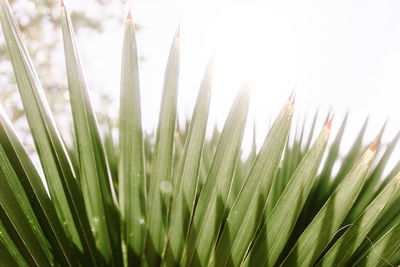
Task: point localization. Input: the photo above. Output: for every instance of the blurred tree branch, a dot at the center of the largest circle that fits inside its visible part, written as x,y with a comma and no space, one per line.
39,24
39,21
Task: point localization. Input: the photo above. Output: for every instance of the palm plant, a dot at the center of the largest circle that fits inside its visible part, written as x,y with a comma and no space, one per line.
184,199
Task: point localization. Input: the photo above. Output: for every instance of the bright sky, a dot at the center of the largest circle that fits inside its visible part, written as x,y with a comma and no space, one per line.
342,54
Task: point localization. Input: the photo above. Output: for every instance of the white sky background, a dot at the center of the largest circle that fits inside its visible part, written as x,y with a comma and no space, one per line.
343,55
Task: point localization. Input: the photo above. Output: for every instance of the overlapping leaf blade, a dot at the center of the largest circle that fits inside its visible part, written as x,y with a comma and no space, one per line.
188,173
160,187
343,248
246,213
280,223
350,159
321,186
17,224
389,219
382,250
31,194
57,167
320,231
186,181
131,164
368,192
10,182
322,183
96,183
211,205
9,253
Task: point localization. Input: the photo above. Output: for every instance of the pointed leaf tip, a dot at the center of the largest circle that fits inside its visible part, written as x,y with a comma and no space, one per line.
129,16
62,4
292,97
374,144
329,123
178,32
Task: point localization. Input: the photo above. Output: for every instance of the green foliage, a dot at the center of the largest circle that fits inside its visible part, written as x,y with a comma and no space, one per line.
177,198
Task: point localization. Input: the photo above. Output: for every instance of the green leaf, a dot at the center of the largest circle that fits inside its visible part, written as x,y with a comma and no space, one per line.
242,170
184,192
160,188
318,195
25,182
12,180
343,248
368,192
391,213
17,224
291,159
311,132
131,165
382,250
389,218
323,227
211,205
333,154
394,259
349,160
96,182
9,253
206,159
246,213
111,151
280,223
388,178
59,173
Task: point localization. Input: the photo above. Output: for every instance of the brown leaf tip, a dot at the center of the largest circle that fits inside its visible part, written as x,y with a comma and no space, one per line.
62,4
291,95
178,32
329,123
129,16
292,98
374,144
